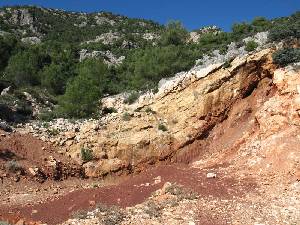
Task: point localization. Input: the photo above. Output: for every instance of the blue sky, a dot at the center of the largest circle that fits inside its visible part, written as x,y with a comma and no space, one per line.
192,13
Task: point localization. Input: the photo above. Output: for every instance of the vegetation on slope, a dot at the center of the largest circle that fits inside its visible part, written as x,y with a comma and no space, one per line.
53,65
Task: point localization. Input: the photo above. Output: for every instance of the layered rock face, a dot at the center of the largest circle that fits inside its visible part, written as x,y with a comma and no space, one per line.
159,128
260,135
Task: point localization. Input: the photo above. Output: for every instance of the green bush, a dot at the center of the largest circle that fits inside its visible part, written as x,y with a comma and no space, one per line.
282,32
153,209
53,132
144,68
149,110
8,45
24,67
132,98
126,116
110,215
109,110
227,64
251,46
162,127
174,34
86,155
47,116
286,56
260,24
84,91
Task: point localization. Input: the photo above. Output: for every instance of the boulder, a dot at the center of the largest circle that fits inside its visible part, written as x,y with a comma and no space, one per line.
5,127
104,167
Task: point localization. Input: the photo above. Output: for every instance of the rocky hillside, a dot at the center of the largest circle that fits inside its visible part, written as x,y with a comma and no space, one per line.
35,24
58,64
223,140
172,140
160,127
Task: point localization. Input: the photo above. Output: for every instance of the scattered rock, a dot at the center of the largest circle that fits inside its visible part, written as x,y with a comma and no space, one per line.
211,175
5,127
6,91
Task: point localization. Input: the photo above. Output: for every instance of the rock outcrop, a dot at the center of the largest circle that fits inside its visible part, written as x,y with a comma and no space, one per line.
160,127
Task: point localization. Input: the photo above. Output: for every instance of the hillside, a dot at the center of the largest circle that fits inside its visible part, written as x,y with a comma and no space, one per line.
47,54
71,27
188,128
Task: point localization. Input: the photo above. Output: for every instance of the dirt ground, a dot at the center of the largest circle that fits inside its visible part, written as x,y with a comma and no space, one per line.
132,191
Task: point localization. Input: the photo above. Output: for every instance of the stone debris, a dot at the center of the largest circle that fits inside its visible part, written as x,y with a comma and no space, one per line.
211,175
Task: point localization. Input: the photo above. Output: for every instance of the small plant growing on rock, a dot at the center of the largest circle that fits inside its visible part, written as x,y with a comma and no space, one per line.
86,155
80,215
46,125
286,56
251,46
174,190
53,132
110,215
181,193
109,110
14,167
227,64
162,127
131,98
126,116
153,209
150,111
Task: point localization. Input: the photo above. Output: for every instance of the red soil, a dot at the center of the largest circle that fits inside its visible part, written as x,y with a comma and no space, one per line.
130,193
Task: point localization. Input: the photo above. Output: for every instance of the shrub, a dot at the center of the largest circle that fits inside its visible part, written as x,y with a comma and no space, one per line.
7,46
109,110
131,98
260,24
175,34
14,167
54,78
181,193
86,155
144,68
46,125
110,215
285,31
149,110
162,127
46,115
153,210
126,116
23,68
174,189
84,91
80,215
53,132
251,46
227,64
286,56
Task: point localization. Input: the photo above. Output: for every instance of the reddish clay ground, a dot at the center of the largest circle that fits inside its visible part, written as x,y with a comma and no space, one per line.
129,193
28,151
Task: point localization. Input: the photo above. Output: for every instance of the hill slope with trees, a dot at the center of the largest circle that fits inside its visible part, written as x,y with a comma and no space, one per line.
71,60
